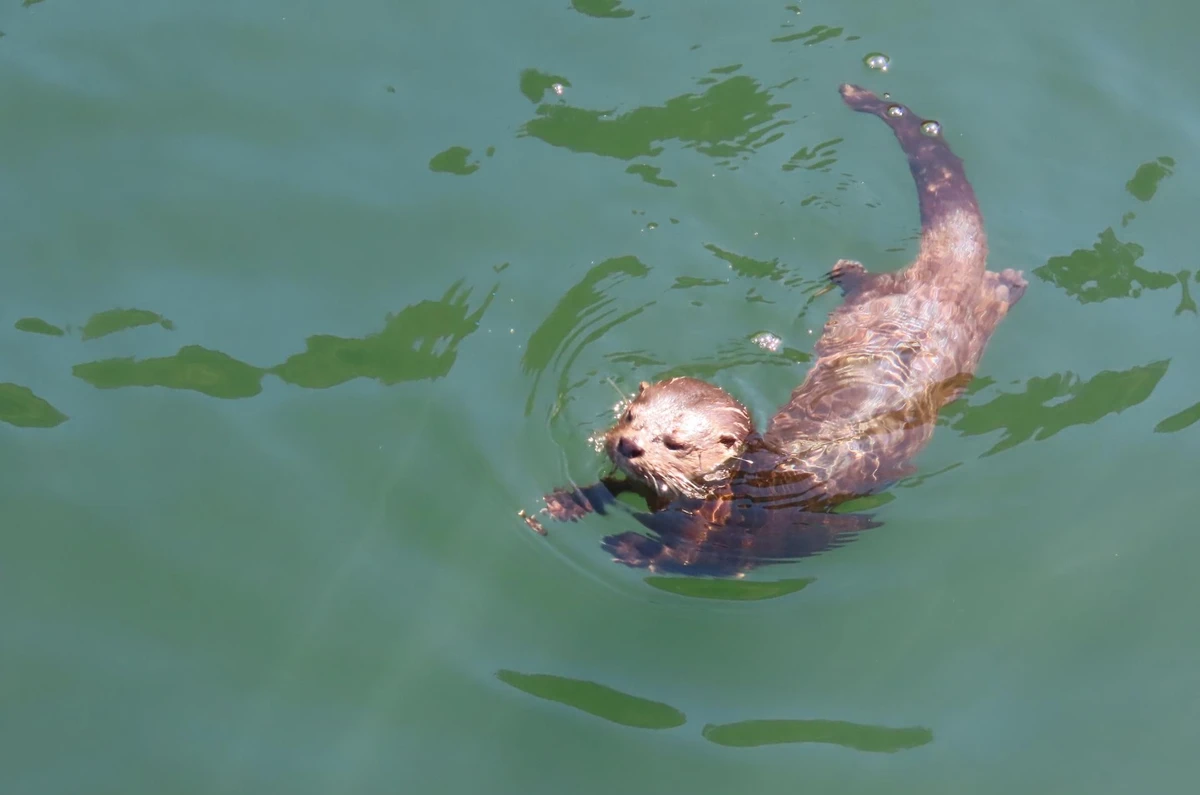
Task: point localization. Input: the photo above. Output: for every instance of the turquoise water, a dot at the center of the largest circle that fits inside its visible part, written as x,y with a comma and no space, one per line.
303,303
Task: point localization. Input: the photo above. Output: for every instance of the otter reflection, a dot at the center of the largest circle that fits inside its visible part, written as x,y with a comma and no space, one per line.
724,498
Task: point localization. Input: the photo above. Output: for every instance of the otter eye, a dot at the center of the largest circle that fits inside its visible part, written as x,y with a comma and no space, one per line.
672,443
629,415
728,441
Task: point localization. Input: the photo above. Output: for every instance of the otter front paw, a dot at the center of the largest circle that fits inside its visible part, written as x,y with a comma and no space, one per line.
567,505
632,549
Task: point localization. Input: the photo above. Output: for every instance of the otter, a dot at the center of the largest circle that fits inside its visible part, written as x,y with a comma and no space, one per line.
901,346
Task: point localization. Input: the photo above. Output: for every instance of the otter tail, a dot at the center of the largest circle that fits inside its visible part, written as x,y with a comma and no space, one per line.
953,242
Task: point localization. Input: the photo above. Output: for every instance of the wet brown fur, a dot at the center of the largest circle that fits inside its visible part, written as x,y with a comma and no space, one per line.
900,346
679,438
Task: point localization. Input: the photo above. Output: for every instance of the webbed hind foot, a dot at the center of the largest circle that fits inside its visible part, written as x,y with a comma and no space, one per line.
854,279
1009,284
850,275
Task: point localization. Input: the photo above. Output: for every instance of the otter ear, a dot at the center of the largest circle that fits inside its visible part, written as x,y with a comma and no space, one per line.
643,386
728,441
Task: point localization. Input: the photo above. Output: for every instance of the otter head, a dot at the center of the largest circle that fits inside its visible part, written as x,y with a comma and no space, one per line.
680,436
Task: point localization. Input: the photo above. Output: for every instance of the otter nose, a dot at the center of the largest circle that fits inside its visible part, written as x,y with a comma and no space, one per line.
628,448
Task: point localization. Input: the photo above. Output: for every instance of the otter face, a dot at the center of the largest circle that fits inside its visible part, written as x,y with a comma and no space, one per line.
679,436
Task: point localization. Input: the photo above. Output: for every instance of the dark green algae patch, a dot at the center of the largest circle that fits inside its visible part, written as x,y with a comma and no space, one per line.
111,321
35,325
596,699
19,406
728,590
856,736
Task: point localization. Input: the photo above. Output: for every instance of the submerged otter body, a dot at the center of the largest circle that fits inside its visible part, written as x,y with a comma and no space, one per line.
902,344
900,347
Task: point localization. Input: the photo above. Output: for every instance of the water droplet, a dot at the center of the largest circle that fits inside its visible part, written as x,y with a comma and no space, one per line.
557,88
877,60
767,341
886,95
931,128
895,111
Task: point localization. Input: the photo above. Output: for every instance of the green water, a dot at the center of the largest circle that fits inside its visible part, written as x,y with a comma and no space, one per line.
304,302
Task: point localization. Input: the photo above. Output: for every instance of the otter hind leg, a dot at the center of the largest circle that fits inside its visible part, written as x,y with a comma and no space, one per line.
1009,285
850,275
855,280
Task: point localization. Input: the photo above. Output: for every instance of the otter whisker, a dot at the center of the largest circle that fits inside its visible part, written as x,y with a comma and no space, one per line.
616,388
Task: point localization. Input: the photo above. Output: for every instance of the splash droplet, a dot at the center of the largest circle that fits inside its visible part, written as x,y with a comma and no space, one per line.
557,88
895,111
877,60
931,128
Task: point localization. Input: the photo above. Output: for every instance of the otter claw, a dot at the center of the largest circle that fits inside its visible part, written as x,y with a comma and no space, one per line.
532,521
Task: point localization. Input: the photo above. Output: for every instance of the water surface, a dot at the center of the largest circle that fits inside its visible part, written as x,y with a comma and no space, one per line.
303,303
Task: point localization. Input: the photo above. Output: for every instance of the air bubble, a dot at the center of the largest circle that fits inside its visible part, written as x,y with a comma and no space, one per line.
877,60
767,341
895,111
931,128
